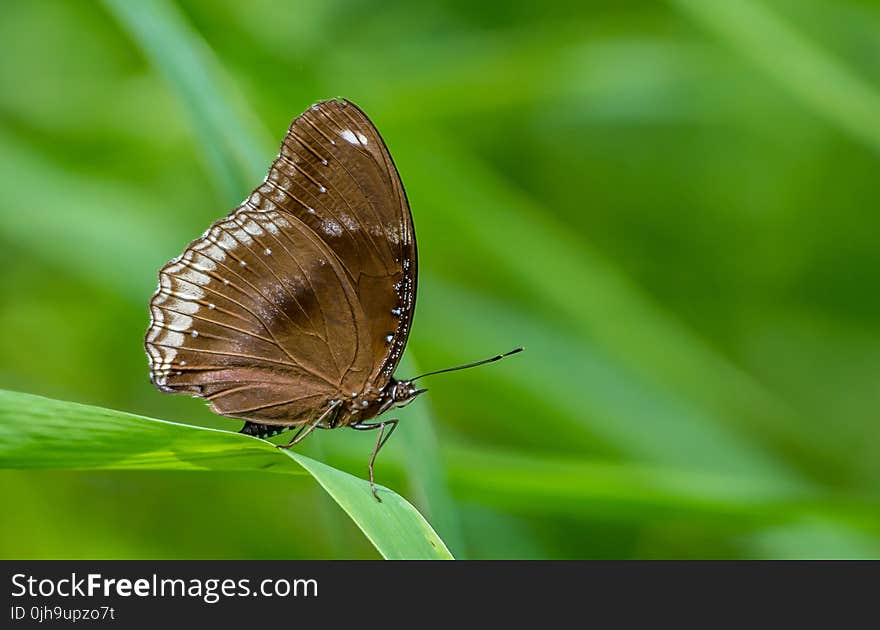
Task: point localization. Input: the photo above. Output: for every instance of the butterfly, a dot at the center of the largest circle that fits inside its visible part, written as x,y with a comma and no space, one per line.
293,311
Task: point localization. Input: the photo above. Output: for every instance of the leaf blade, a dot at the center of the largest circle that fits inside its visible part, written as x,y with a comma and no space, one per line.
37,432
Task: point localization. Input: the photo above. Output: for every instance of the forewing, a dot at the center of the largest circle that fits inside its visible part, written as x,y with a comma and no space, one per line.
336,175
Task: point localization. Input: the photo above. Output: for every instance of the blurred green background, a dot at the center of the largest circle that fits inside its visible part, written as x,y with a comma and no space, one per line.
672,205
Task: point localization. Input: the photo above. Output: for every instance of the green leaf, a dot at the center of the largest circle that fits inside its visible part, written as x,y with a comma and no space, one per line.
38,432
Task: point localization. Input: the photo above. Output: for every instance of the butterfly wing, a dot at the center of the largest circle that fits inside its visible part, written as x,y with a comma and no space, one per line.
241,319
304,292
335,173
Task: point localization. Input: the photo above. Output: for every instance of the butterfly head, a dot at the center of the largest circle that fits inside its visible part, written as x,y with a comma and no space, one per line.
402,393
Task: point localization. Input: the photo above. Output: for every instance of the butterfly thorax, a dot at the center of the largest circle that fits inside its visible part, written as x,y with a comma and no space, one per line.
358,407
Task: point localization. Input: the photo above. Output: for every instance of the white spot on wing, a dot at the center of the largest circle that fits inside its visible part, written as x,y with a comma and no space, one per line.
173,339
195,276
250,226
179,323
271,227
348,221
210,250
224,240
348,135
332,228
393,234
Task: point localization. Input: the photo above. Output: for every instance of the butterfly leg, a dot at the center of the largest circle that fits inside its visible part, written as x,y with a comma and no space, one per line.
296,439
306,429
380,442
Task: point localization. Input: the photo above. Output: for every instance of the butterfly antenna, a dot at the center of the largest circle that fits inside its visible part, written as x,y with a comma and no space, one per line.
497,357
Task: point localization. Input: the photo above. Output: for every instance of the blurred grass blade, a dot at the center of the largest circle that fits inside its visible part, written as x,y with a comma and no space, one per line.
552,485
424,466
568,282
621,492
230,136
38,432
830,88
86,226
613,401
812,538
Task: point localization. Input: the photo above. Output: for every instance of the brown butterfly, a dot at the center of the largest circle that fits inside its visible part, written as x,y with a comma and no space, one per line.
294,309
